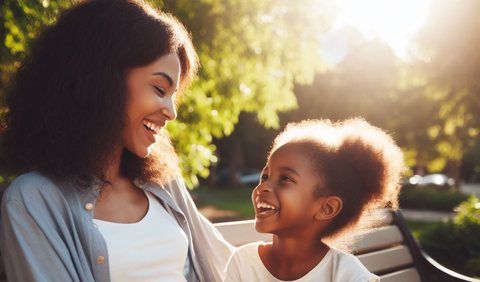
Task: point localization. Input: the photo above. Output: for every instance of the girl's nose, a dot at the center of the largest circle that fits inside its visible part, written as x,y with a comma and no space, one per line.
263,187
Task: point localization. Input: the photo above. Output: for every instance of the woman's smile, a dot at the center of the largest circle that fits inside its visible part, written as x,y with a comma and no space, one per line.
153,128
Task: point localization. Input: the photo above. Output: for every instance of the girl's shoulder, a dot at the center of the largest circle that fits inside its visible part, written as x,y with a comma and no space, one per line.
248,252
349,268
250,246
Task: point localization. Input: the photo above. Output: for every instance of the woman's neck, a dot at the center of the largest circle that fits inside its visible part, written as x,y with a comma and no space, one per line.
112,171
120,200
292,258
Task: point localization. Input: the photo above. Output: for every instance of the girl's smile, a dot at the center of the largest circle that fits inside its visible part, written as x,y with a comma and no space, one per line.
263,209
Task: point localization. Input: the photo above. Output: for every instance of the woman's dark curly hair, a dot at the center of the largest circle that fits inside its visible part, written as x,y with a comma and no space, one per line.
66,104
355,161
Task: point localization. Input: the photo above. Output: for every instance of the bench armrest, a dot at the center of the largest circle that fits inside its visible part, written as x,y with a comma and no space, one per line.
429,267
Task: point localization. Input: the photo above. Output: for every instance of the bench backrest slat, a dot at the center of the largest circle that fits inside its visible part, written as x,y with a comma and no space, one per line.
409,274
378,239
387,260
242,232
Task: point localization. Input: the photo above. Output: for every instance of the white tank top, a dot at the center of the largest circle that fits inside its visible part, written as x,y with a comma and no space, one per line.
153,249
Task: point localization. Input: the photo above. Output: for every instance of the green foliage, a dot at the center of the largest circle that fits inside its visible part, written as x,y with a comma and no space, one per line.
251,53
21,21
468,212
456,244
431,198
418,227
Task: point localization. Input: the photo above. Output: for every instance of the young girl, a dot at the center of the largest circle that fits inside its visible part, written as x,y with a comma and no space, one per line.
322,184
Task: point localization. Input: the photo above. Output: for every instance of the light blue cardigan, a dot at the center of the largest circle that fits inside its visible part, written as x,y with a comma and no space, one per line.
47,233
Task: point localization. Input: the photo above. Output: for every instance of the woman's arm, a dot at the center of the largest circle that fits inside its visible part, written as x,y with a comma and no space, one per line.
211,249
28,254
232,271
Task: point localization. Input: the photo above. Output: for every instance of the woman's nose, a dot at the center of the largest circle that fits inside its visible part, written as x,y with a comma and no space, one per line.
169,110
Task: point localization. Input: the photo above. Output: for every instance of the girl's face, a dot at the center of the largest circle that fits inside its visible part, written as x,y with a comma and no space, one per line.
150,102
284,200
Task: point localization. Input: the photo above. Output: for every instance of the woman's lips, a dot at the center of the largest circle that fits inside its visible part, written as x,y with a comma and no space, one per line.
154,127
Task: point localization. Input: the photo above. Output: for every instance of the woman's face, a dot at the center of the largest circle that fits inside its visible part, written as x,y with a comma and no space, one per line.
150,102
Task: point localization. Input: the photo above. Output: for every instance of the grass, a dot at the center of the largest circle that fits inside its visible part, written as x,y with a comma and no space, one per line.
227,198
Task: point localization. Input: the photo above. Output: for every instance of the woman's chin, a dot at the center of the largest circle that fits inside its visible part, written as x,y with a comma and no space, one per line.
141,152
146,154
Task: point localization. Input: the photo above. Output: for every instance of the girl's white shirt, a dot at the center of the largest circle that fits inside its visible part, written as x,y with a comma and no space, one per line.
153,249
246,265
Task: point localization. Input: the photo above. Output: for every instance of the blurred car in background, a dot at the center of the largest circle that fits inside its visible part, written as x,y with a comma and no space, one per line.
244,176
436,179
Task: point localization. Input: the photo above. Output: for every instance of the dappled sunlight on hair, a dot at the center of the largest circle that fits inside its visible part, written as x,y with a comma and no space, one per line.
355,161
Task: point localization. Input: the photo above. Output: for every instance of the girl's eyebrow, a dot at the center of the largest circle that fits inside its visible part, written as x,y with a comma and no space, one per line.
290,170
170,80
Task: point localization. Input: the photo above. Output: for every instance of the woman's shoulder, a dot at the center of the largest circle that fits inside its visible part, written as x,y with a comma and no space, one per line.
31,186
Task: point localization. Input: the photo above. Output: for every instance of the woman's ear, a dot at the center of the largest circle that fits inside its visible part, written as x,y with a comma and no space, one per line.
329,208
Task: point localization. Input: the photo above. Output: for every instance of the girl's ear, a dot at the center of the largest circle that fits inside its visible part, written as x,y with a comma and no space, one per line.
329,208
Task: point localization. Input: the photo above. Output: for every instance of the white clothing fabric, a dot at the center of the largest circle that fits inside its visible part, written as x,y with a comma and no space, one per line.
153,249
246,265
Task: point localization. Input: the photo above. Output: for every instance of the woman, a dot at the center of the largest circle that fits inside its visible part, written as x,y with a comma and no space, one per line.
103,200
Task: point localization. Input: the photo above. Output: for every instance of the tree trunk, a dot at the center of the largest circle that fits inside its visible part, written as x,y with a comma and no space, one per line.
453,170
236,160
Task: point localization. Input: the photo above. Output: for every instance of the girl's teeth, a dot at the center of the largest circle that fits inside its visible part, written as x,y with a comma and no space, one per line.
265,205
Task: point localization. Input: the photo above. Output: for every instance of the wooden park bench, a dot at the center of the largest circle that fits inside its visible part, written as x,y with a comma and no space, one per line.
389,251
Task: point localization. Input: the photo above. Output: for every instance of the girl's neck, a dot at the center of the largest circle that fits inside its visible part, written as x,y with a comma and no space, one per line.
291,258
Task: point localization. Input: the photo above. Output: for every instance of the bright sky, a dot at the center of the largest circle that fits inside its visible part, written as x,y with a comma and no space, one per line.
393,21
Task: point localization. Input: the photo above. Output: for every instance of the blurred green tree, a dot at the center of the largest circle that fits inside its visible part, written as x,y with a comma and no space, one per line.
19,22
444,79
252,53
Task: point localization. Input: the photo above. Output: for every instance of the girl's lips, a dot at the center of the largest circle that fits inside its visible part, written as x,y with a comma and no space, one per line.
264,214
263,208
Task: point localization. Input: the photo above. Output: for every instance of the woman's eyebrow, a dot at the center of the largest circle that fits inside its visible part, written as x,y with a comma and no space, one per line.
170,80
